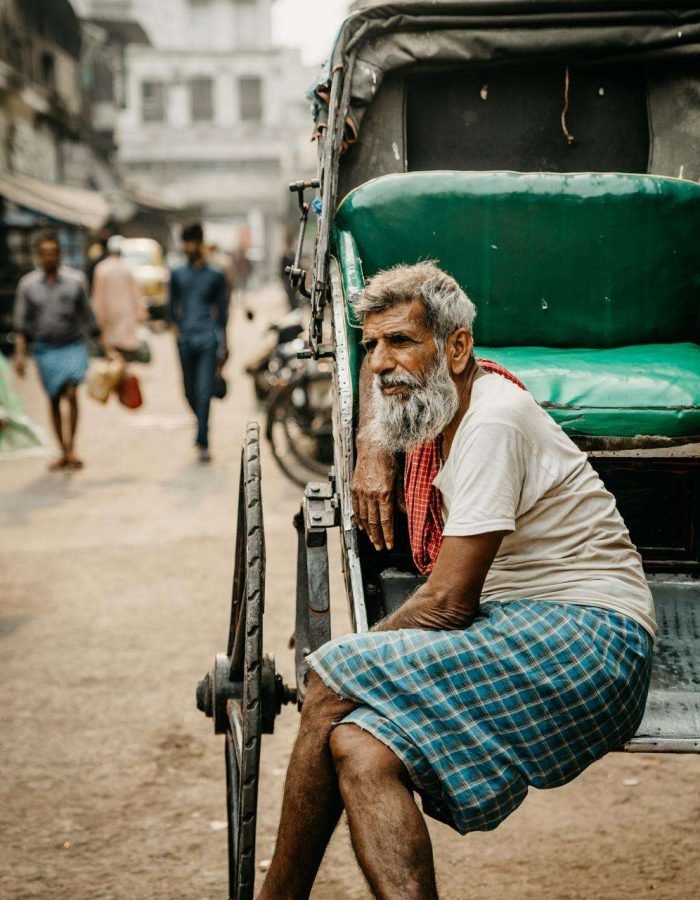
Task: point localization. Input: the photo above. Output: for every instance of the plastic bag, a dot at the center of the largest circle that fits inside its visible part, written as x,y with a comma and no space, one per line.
130,391
104,377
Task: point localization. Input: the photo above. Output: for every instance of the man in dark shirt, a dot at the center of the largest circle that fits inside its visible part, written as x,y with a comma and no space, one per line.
198,312
53,312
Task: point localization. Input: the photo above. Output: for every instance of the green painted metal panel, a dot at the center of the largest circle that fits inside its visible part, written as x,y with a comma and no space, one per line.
592,260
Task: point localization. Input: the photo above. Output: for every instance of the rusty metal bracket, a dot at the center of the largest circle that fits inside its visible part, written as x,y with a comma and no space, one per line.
320,506
297,275
318,513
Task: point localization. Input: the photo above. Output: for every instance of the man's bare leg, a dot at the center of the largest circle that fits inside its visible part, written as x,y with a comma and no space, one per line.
57,423
388,831
71,394
311,806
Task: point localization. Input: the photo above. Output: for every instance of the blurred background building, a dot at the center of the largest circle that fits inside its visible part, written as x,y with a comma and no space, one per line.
137,116
211,113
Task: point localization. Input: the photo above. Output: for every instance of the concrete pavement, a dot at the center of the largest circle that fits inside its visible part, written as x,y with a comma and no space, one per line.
115,585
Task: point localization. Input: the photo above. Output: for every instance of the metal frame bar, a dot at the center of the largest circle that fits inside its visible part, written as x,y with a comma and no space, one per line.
344,452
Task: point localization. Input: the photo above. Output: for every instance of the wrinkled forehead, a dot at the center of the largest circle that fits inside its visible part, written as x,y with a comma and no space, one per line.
408,318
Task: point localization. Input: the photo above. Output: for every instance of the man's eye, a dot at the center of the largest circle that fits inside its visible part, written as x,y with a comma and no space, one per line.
396,339
369,346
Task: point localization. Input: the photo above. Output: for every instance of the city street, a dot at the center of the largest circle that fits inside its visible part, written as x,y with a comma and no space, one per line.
115,597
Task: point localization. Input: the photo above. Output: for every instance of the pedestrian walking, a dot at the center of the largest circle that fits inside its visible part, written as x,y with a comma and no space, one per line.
198,312
53,312
117,301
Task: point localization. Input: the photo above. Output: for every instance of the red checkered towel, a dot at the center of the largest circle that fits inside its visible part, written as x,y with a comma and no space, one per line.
423,505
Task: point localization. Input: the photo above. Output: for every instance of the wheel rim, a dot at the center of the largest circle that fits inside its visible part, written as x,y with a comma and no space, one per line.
243,736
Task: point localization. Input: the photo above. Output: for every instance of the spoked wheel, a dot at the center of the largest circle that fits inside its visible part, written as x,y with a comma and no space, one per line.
243,693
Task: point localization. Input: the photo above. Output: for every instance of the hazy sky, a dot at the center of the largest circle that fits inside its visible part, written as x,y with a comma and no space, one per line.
308,24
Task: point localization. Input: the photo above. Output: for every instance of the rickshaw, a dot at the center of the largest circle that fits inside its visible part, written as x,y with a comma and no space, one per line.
545,154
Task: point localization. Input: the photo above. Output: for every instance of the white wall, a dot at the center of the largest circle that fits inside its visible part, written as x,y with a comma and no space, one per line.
237,170
196,24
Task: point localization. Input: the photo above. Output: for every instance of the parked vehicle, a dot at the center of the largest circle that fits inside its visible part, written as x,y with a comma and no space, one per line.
278,359
297,397
145,257
492,137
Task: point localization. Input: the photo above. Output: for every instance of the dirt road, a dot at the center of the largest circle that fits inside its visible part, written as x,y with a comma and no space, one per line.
114,598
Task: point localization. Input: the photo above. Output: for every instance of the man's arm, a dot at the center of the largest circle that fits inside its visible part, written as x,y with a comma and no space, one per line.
450,597
85,310
222,300
137,299
173,312
375,478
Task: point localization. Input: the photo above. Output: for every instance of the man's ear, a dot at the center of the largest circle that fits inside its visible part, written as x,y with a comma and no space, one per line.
459,346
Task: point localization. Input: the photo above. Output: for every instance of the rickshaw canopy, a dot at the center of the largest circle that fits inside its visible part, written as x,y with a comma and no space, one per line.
386,37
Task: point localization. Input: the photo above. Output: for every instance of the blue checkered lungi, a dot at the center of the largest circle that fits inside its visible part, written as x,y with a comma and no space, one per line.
60,365
530,694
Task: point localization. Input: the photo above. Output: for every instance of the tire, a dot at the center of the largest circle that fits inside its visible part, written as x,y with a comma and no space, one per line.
245,652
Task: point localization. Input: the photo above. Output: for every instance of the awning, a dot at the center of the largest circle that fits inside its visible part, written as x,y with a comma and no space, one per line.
74,206
122,31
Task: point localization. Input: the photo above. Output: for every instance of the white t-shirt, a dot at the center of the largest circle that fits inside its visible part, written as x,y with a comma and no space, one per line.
511,468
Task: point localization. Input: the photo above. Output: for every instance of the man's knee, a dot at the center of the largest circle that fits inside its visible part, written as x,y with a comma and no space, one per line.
321,702
361,759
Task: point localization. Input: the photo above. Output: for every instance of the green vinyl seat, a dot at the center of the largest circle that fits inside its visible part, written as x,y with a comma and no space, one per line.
587,286
646,390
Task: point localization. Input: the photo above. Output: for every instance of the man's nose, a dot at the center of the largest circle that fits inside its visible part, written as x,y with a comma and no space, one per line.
381,359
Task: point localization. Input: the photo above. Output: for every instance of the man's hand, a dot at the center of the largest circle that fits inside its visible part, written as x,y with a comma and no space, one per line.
373,488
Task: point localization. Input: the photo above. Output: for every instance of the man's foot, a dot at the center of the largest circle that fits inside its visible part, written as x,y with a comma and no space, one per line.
72,462
204,455
58,464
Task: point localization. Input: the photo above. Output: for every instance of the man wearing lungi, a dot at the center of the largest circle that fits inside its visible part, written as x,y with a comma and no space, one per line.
526,654
52,310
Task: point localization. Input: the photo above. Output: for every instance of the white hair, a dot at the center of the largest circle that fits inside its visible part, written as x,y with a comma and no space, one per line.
447,307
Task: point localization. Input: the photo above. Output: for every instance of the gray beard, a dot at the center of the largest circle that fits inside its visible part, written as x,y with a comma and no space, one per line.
402,424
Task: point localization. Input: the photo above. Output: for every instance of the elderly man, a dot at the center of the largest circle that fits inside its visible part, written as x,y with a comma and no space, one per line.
526,654
52,310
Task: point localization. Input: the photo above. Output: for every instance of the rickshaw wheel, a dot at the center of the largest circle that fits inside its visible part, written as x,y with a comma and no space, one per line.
245,652
242,693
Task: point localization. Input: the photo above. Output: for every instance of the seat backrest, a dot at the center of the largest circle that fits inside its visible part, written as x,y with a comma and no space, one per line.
582,260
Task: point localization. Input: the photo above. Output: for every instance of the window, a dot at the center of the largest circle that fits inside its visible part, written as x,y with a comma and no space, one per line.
250,98
202,99
152,101
47,70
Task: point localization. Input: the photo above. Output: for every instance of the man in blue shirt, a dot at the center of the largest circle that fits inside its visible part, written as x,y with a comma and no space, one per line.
198,311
